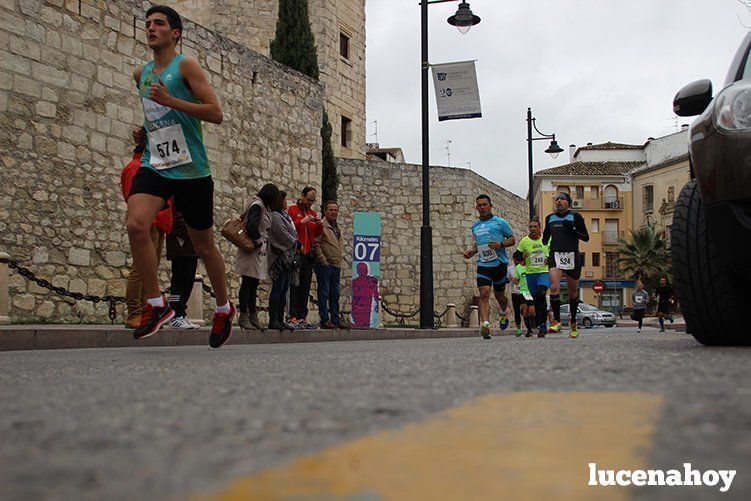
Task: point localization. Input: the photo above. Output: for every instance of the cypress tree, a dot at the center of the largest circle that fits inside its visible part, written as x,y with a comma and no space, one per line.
295,46
330,180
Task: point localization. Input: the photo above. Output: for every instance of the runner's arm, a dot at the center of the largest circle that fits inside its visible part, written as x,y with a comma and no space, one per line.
471,251
546,233
207,109
581,228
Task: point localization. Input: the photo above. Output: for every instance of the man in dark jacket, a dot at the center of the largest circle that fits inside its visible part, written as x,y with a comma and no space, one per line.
184,261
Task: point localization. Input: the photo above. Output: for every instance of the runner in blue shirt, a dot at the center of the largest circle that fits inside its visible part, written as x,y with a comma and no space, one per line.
491,235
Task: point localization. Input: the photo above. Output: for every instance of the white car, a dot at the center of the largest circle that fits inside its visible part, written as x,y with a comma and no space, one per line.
588,316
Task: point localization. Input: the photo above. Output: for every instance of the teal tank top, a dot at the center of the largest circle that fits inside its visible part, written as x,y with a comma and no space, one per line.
175,147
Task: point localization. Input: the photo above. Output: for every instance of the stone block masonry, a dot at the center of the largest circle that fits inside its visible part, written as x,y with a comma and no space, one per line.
395,190
67,106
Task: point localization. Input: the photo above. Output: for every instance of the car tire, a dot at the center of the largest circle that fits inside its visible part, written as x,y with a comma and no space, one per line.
708,291
587,322
609,326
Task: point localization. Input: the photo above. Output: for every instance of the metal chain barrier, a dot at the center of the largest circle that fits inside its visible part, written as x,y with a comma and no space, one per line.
465,318
113,301
62,291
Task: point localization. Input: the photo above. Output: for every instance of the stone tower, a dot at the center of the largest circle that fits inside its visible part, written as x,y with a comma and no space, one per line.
339,29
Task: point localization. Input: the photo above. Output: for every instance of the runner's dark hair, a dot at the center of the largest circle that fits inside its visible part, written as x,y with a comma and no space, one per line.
483,196
173,18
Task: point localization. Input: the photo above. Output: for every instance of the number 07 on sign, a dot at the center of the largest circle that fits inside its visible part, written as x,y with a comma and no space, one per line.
366,269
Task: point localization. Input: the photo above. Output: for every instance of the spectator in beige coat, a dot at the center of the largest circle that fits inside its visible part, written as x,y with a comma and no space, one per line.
329,250
253,266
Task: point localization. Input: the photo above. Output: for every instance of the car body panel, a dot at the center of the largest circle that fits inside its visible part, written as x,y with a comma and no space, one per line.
721,163
721,160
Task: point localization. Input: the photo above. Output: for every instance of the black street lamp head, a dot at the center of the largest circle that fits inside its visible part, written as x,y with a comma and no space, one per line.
464,19
554,149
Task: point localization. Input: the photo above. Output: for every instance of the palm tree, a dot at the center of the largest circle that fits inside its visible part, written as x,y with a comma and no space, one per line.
645,256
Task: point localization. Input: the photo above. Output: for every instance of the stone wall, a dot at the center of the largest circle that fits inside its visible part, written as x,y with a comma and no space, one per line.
395,190
253,24
67,105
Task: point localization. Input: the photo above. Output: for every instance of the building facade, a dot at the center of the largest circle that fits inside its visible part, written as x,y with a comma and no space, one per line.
657,184
616,187
339,30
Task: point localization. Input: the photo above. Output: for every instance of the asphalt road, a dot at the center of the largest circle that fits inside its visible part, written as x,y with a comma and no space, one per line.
173,422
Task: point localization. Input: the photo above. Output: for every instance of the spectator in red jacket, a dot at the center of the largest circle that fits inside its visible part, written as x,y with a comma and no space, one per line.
309,226
162,225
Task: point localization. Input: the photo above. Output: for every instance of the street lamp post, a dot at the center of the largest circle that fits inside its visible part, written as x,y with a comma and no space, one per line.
553,150
464,19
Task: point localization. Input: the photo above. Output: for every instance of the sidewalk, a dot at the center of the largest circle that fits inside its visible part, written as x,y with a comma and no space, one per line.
52,337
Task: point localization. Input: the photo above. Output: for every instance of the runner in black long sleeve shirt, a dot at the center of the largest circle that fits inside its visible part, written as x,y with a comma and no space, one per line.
563,230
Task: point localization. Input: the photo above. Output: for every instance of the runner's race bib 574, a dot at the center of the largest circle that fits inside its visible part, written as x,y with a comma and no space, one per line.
168,147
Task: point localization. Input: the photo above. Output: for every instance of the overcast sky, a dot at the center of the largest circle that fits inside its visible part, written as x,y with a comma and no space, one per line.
591,70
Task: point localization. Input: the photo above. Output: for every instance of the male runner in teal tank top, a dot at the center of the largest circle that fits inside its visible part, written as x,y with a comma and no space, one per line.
176,97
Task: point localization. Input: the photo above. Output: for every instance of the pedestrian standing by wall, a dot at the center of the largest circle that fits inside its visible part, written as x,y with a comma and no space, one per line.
162,225
253,266
184,261
282,242
640,298
309,227
329,251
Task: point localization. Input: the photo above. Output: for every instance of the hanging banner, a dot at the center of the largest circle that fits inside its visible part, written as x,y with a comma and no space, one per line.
456,92
366,269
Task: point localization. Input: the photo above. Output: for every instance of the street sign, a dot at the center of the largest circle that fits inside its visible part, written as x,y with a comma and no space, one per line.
598,286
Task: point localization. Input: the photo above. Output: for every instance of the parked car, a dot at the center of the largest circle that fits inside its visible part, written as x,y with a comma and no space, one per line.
712,215
588,316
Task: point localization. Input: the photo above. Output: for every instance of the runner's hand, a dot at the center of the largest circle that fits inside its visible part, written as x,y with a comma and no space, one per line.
467,254
494,245
159,93
139,135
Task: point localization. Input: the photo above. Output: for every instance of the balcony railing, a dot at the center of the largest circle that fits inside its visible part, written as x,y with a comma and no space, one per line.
611,237
609,203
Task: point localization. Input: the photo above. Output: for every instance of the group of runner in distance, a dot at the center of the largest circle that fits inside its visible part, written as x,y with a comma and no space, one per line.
542,258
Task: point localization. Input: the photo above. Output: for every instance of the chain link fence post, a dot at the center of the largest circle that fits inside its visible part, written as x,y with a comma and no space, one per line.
195,302
451,316
4,298
474,316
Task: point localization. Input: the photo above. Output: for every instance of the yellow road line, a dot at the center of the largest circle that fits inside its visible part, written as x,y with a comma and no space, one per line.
529,445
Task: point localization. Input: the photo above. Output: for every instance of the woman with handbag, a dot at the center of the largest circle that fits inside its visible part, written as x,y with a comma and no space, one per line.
252,266
282,248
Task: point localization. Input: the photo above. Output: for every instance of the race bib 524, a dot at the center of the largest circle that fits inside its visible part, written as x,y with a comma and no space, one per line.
565,260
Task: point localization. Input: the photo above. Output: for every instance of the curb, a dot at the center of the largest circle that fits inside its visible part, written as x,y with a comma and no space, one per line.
63,337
